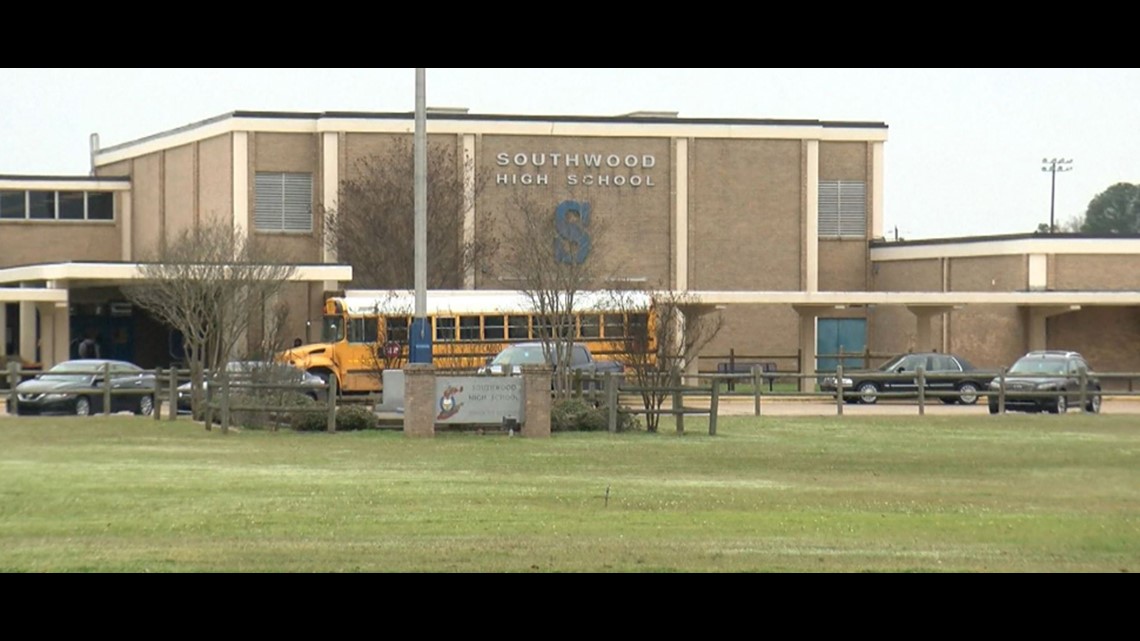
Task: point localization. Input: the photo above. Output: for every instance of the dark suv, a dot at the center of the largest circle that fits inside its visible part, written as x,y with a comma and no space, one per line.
1048,380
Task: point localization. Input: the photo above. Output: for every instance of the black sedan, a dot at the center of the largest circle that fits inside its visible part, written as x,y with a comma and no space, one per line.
1047,380
78,387
949,377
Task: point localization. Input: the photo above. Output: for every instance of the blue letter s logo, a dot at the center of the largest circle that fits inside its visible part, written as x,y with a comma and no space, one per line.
573,243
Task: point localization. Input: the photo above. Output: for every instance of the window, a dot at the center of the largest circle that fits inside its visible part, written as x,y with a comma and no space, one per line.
469,328
396,328
362,330
71,205
493,328
57,205
13,204
283,202
842,209
519,326
41,204
445,329
615,325
589,327
100,205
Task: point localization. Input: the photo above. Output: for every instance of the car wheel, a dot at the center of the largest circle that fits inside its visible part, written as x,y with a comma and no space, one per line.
868,393
1060,406
1093,405
146,406
83,406
993,408
967,393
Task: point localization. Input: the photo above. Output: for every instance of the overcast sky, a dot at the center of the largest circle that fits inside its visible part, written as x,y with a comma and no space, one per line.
963,156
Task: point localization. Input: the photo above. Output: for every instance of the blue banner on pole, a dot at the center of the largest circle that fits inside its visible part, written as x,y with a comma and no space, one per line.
419,341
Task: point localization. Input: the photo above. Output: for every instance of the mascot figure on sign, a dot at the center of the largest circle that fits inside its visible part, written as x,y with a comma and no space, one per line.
448,405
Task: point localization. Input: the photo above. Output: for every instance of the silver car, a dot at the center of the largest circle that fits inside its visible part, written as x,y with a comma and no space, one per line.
78,386
257,372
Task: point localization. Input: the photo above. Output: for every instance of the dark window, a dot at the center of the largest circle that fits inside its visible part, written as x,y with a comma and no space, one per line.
469,328
445,329
615,326
519,327
396,328
589,326
41,205
493,328
71,205
13,204
100,205
362,330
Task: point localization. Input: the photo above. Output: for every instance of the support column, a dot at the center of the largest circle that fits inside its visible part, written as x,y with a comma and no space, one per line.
811,217
681,211
419,399
924,341
807,347
467,167
536,401
28,331
1037,337
3,330
330,191
240,194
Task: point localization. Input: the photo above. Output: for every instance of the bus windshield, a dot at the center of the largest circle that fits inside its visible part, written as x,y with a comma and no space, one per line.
333,329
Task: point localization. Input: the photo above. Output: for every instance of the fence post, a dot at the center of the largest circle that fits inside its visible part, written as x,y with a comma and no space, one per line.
611,401
678,403
225,399
106,389
921,390
1001,391
714,404
1084,382
158,394
174,393
757,377
839,400
13,381
731,369
331,426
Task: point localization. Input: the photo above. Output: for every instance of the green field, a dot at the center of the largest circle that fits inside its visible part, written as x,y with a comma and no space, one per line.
1014,493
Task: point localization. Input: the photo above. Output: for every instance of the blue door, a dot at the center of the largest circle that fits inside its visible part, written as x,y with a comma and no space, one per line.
834,334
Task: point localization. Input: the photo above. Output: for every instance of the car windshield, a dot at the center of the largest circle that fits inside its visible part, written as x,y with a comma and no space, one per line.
1039,366
70,372
520,355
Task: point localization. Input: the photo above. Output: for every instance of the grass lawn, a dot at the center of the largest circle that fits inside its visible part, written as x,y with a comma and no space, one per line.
1013,493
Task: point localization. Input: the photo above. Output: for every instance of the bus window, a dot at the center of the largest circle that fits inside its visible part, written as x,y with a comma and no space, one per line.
444,329
396,328
615,326
469,328
362,330
589,327
519,327
332,331
542,327
639,330
493,328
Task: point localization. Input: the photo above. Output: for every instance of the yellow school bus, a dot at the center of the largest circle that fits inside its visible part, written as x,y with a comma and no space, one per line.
366,332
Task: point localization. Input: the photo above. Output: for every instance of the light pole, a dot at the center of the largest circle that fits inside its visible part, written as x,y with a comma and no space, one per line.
1053,166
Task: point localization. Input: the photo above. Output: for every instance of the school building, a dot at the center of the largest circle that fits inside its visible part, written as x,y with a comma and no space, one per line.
776,223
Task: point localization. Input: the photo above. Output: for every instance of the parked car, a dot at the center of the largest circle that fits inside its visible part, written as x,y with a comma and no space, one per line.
1048,380
263,372
513,357
945,373
77,387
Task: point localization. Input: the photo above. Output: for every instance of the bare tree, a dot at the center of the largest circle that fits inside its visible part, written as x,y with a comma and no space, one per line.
209,283
372,227
551,268
660,350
